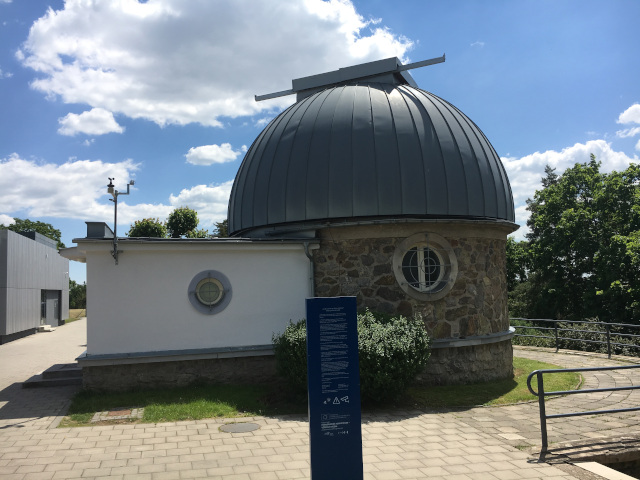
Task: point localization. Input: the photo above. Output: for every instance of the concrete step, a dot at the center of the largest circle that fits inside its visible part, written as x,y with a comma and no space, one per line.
56,376
63,370
46,328
37,382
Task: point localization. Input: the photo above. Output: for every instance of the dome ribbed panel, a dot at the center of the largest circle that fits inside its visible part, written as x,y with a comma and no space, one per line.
341,171
369,151
365,181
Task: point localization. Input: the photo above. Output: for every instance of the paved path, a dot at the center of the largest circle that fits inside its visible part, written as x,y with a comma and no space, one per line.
475,443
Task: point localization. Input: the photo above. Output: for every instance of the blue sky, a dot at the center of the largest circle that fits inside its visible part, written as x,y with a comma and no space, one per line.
162,91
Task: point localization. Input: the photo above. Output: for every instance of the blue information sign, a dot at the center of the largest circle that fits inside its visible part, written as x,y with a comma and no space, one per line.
334,389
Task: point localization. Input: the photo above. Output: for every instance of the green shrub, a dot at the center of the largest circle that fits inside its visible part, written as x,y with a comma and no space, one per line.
392,352
290,349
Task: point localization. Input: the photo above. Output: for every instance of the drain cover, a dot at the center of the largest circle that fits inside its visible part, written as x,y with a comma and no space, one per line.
239,427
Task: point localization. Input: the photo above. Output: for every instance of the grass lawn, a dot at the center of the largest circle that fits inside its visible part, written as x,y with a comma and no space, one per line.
76,314
230,401
501,392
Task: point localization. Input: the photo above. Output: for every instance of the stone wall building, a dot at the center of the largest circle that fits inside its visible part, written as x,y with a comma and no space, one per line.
410,202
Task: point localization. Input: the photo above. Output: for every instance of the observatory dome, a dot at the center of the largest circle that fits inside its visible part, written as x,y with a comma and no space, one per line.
367,150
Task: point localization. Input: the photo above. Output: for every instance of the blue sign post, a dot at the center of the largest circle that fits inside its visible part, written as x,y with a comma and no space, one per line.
334,389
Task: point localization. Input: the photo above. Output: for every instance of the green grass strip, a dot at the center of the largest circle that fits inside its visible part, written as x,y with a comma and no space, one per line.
499,392
231,401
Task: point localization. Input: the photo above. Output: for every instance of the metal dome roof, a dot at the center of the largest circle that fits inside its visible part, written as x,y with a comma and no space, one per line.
368,150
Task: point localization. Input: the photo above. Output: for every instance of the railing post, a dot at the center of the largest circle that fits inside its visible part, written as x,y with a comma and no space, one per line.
608,340
555,328
543,413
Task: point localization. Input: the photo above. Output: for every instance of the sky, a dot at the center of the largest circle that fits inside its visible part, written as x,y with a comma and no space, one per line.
162,91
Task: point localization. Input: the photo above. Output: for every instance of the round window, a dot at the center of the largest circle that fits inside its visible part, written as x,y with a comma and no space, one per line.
425,266
209,291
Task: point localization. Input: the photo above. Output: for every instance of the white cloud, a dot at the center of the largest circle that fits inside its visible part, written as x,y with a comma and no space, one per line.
638,146
76,189
525,173
210,154
6,220
631,114
628,132
97,121
262,122
176,62
210,201
477,44
5,74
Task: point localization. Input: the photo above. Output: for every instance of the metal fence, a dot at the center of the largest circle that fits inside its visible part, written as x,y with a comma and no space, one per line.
541,394
609,334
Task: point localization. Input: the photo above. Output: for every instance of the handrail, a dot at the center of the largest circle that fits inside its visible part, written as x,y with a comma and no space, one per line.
541,394
556,329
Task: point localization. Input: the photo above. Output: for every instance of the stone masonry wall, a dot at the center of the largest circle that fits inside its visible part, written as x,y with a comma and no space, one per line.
462,365
237,370
358,261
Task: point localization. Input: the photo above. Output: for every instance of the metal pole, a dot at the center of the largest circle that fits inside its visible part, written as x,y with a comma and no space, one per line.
608,340
555,327
543,414
115,227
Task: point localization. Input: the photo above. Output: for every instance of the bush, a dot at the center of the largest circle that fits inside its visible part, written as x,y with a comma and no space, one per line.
392,352
290,349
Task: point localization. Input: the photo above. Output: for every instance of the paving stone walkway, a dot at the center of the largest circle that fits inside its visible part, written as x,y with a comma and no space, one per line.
475,443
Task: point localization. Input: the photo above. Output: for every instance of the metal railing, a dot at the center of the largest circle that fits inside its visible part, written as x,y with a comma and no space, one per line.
541,394
608,337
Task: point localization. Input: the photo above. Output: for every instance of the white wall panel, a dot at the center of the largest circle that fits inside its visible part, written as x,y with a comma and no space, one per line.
142,304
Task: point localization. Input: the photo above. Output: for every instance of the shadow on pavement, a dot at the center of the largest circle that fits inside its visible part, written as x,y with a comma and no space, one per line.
20,405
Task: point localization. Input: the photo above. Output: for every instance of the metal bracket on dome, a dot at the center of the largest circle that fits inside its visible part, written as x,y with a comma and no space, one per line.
364,70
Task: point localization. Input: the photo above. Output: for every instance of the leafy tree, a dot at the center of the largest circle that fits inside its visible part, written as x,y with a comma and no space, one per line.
584,244
148,227
222,229
77,295
182,221
517,262
26,225
199,233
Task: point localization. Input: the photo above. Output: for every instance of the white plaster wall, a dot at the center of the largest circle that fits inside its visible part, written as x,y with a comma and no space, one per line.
142,304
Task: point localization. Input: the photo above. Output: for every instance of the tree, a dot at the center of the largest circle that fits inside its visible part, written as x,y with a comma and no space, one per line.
584,243
198,233
148,227
517,262
77,295
222,229
182,221
46,229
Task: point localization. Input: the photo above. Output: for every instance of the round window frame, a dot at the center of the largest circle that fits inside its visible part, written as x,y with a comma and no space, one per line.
442,249
223,300
199,293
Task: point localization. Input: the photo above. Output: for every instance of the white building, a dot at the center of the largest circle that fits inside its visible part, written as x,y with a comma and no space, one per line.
172,311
